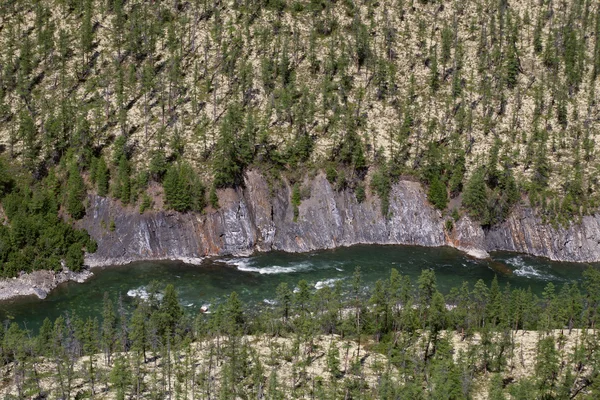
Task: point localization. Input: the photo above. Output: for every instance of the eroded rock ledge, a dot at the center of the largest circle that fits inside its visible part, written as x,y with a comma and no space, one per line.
39,283
258,218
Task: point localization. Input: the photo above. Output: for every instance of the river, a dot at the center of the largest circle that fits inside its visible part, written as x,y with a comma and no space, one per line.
255,278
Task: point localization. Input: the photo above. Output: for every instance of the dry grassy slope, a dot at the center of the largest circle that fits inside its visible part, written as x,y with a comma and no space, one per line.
197,38
281,355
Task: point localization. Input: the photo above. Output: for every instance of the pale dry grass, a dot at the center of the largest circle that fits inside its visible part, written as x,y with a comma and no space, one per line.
383,117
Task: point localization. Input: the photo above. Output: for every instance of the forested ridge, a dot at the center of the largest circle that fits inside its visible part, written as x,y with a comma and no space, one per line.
493,99
396,339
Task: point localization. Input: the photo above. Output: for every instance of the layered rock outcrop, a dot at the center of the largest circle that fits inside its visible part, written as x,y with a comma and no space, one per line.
258,217
524,232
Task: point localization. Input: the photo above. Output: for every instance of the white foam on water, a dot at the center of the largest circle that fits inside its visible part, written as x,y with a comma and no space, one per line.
238,262
140,293
339,269
527,271
275,269
270,302
327,282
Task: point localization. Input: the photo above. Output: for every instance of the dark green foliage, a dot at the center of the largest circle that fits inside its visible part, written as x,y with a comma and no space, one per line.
360,192
382,185
122,187
434,78
170,311
102,177
351,151
35,237
234,152
6,180
75,193
158,165
537,36
213,198
475,196
437,194
120,377
455,183
183,189
27,134
331,173
146,203
296,200
512,66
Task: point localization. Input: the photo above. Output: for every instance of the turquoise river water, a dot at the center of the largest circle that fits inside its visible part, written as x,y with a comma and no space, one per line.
255,278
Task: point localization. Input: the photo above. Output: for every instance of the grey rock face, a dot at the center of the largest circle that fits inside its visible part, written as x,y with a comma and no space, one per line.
39,283
330,219
525,233
468,236
260,218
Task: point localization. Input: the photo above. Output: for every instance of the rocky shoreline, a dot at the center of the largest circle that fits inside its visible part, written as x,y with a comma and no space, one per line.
258,217
39,283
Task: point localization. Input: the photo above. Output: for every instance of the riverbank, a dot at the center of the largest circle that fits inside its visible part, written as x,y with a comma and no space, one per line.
40,283
258,218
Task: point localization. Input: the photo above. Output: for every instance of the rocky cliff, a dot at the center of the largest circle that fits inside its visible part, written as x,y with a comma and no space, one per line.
523,232
260,218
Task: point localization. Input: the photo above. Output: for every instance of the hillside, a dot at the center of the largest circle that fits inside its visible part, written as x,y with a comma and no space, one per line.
488,103
399,339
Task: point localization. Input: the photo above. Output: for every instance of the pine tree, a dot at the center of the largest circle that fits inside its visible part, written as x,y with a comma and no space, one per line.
87,33
102,177
120,377
183,189
333,361
438,194
170,309
123,187
284,299
512,66
109,327
139,329
296,200
434,79
27,134
75,193
475,196
213,198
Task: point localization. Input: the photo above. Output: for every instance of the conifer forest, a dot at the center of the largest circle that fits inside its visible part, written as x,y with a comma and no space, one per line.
490,102
398,340
163,105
